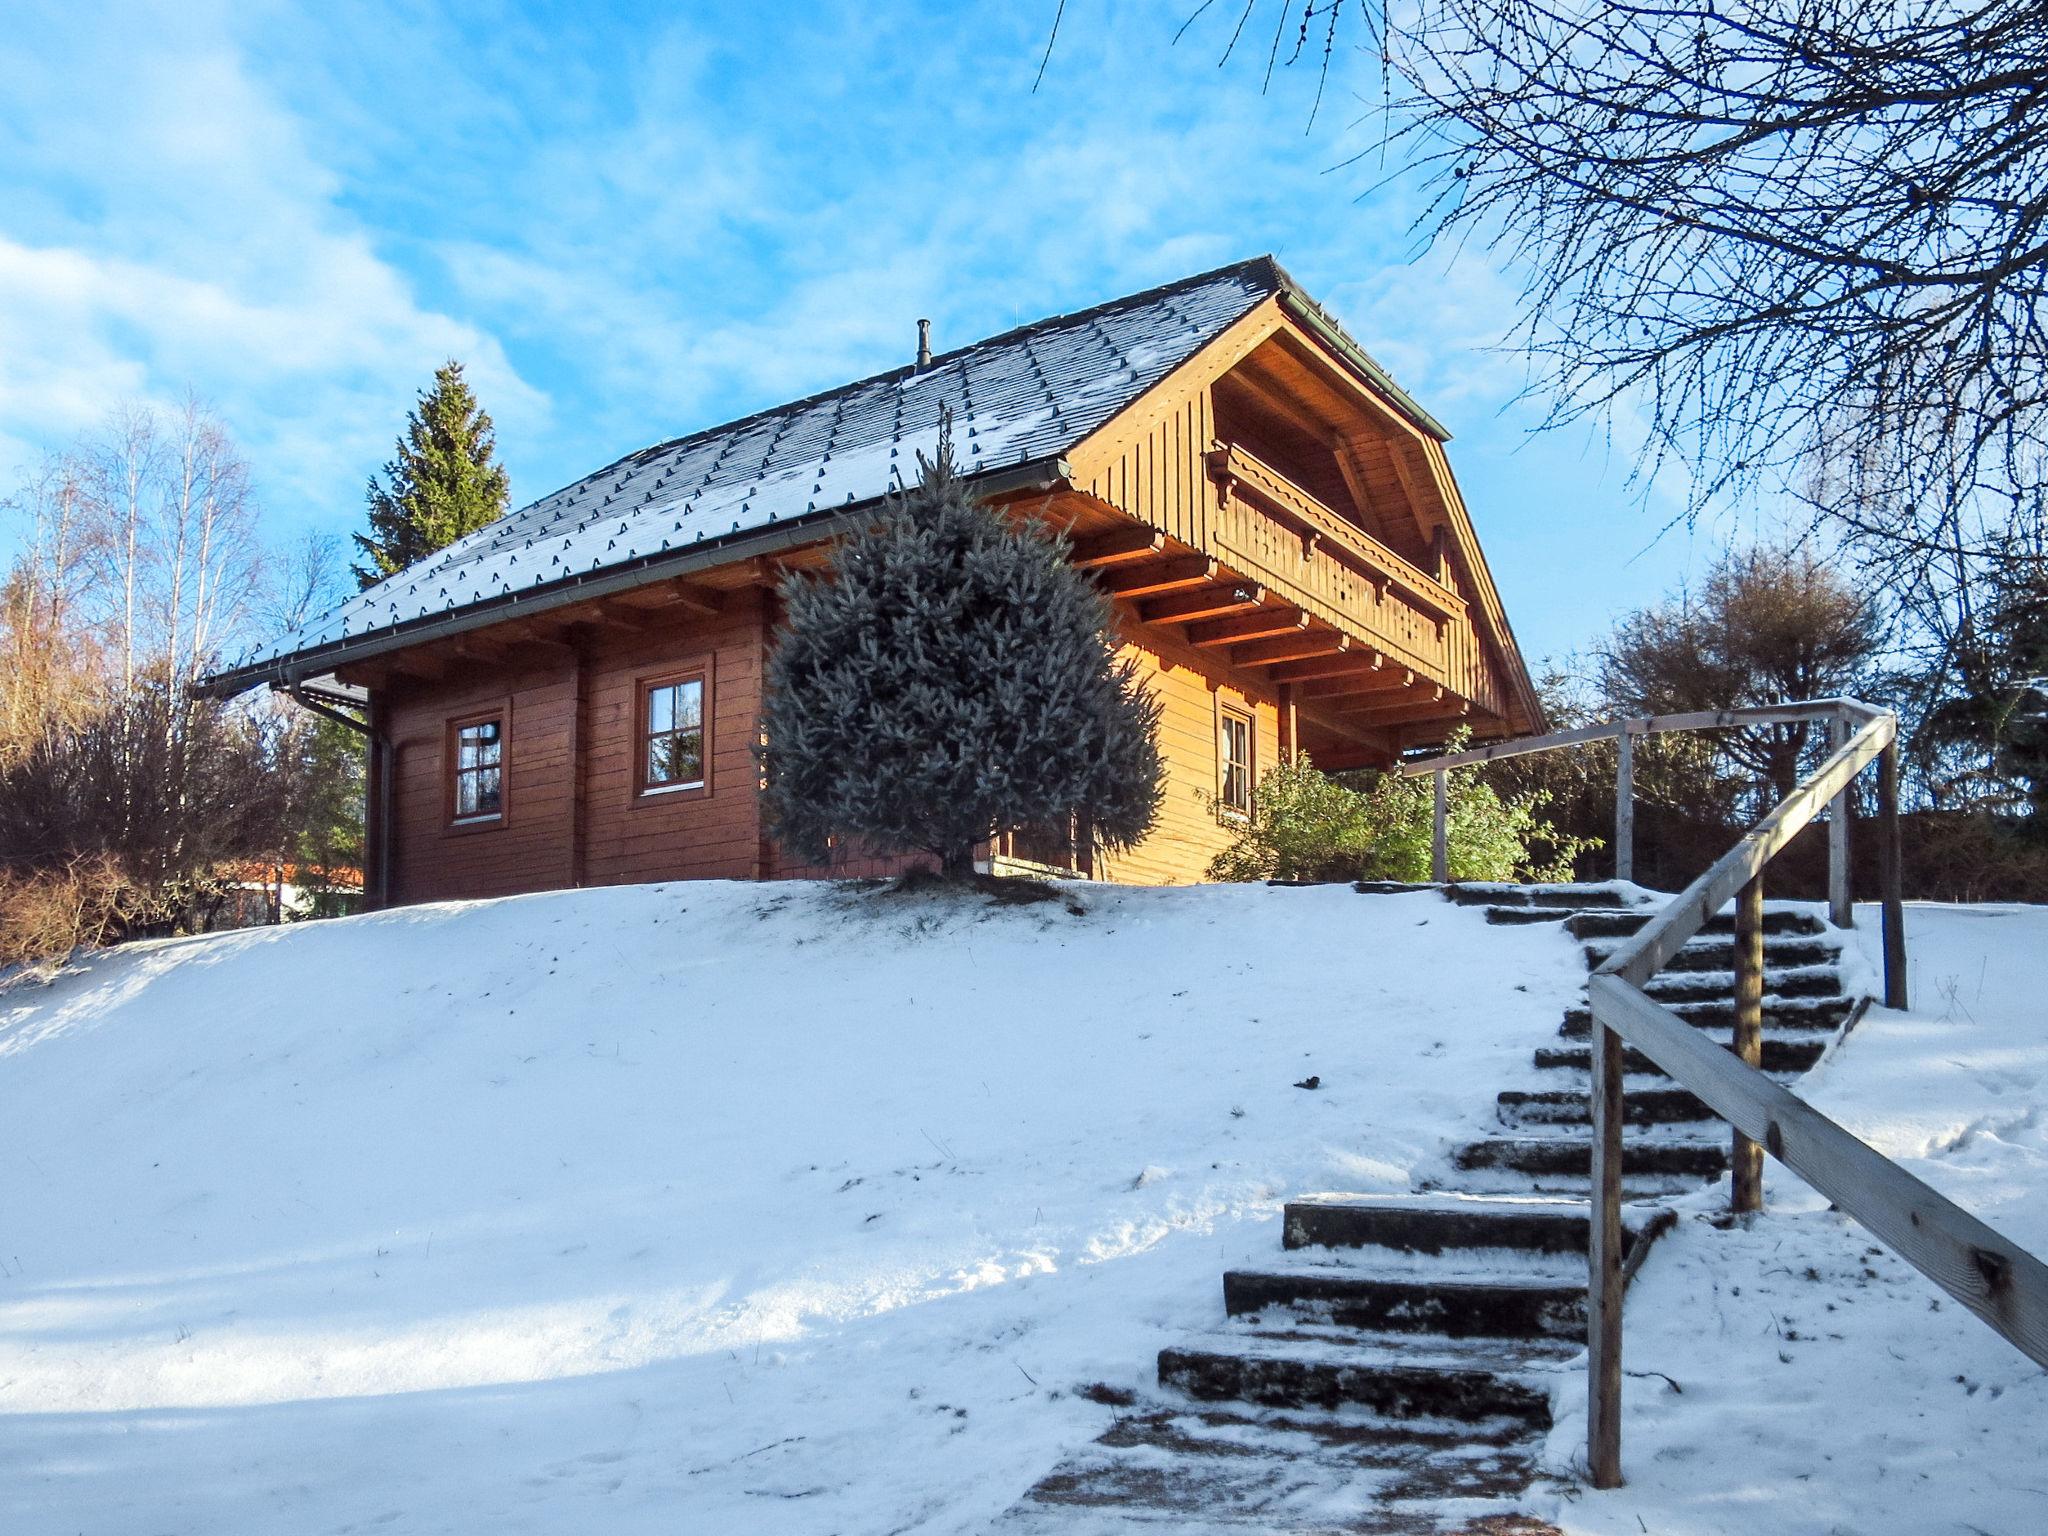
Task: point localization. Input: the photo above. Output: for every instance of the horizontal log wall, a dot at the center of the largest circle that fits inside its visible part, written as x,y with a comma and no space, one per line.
624,836
1190,687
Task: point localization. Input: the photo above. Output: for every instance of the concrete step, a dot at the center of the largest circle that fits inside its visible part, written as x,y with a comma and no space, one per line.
1779,981
1475,1380
1781,1057
1624,924
1565,898
1793,1014
1574,1155
1718,954
1450,1224
1522,1307
1239,1469
1657,1106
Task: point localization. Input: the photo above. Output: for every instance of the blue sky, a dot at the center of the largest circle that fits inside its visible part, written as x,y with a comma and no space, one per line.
632,221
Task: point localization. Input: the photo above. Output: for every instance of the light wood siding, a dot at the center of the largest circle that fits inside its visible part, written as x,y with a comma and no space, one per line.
1188,834
1159,478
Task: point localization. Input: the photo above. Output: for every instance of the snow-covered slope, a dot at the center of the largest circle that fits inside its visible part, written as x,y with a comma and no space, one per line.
687,1208
718,1208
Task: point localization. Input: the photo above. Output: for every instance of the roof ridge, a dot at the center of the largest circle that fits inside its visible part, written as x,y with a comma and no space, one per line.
1275,275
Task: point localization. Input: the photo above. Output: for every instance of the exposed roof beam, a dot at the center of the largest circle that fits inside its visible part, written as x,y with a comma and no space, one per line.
1409,714
1116,547
1331,689
1293,647
1206,603
1271,621
1328,666
1175,575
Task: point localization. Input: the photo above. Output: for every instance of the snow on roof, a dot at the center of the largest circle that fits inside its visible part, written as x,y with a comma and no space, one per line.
1025,395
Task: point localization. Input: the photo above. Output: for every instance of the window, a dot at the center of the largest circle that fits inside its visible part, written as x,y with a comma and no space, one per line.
479,788
1234,761
672,734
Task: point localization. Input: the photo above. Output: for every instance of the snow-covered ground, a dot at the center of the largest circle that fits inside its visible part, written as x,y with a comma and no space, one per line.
690,1208
797,1209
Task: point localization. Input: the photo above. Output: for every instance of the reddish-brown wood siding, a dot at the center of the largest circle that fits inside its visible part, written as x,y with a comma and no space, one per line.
602,830
574,810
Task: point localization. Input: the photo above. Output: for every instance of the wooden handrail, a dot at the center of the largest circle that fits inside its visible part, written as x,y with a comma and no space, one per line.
1839,715
1995,1279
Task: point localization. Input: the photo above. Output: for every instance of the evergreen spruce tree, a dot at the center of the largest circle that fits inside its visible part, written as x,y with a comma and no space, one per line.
442,485
950,678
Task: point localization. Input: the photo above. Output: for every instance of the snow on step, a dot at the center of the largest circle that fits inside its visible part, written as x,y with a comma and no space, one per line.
1209,1470
1414,1376
1433,1224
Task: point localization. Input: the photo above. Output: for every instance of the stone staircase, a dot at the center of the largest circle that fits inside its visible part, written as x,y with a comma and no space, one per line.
1393,1373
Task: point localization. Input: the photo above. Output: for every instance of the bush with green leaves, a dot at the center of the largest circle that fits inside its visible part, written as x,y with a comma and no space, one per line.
1309,825
949,678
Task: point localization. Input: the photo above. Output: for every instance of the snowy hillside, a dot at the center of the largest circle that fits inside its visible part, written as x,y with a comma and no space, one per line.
765,1208
722,1208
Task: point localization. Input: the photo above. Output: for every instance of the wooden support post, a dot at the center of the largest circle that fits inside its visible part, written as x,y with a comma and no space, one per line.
1841,910
1440,832
1625,806
1603,1259
1746,1165
1891,878
1290,723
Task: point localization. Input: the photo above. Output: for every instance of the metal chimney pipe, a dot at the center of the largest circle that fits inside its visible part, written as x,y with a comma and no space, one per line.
924,345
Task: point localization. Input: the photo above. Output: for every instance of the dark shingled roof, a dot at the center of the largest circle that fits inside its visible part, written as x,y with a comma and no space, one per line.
1020,398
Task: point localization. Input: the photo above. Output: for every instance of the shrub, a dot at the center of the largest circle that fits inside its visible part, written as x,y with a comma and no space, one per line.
1308,825
952,677
46,915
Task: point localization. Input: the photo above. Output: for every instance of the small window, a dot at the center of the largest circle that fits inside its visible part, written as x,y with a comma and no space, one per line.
1235,760
672,756
479,769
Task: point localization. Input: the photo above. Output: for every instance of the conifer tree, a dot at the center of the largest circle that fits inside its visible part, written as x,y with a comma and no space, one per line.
442,485
952,677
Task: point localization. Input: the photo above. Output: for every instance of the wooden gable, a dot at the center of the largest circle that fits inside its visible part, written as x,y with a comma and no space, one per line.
1308,521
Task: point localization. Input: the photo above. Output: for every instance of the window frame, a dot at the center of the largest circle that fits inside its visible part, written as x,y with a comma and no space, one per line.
646,792
451,769
1227,715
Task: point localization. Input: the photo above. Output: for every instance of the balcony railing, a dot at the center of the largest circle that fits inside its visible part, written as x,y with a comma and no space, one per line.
1275,530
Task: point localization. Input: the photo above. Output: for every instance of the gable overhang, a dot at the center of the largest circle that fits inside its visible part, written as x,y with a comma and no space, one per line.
320,662
1291,314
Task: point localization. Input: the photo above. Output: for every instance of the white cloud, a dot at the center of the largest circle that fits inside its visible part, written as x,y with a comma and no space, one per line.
184,237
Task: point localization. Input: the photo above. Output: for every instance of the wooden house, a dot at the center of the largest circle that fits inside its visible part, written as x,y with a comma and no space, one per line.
572,695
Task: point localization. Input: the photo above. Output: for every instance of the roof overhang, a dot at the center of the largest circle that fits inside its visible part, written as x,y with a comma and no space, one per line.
317,665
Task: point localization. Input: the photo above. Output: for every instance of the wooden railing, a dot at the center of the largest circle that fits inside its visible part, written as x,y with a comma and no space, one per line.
2001,1283
1276,531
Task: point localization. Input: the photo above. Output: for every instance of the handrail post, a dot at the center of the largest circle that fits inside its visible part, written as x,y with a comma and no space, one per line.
1841,910
1625,805
1890,877
1440,831
1603,1263
1746,1159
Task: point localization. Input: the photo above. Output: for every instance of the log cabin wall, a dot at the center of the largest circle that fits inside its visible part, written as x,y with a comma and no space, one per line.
1192,690
579,709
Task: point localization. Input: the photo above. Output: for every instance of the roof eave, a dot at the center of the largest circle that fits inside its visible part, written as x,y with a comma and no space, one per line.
1317,320
287,671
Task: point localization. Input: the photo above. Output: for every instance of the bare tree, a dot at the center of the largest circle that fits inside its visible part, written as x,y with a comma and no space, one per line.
49,664
1767,624
1788,231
